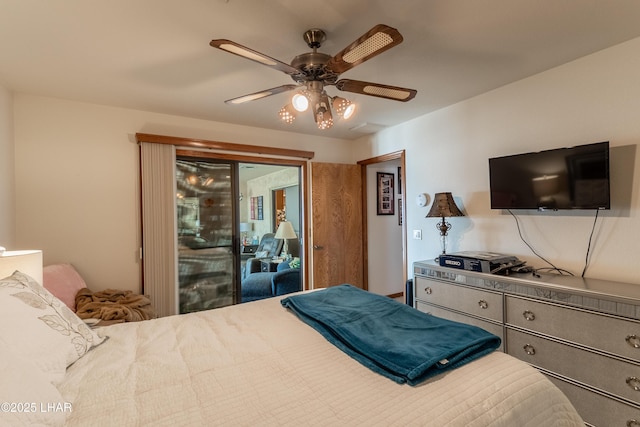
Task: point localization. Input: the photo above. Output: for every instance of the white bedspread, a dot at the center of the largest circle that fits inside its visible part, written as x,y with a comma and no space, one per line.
256,364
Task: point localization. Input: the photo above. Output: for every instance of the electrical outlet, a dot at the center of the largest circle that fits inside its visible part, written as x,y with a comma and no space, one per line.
417,234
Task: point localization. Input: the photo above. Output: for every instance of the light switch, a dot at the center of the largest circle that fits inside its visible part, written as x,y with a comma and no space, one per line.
417,234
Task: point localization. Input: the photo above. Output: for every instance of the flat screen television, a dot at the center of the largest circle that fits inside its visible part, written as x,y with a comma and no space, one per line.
563,178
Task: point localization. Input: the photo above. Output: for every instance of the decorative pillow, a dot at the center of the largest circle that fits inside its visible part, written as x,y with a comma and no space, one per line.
295,263
64,282
40,328
27,396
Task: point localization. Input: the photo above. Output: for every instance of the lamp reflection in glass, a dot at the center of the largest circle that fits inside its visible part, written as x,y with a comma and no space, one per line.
203,180
443,207
285,231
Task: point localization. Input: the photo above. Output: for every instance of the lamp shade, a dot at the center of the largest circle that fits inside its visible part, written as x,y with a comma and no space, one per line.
285,231
27,262
245,226
443,206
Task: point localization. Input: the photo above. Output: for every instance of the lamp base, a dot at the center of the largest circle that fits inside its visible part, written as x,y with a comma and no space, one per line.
285,251
443,244
444,227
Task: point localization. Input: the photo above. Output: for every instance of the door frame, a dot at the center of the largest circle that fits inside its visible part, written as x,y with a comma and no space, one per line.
254,154
278,162
396,155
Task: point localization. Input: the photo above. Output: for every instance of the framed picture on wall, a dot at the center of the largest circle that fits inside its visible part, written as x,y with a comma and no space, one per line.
260,208
399,210
385,194
253,207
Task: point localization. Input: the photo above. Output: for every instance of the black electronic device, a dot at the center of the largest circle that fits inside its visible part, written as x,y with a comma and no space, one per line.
249,249
484,262
563,178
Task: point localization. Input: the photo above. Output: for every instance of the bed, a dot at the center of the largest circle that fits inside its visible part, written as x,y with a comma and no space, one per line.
259,364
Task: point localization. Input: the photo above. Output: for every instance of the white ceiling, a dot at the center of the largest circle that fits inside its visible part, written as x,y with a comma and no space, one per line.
154,55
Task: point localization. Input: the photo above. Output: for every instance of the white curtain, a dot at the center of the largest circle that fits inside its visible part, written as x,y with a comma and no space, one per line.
159,241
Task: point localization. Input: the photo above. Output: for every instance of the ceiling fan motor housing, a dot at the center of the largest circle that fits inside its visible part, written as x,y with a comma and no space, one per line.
312,68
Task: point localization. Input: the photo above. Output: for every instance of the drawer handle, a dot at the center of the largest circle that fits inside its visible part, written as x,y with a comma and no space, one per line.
633,423
483,304
633,341
528,315
529,349
428,290
634,383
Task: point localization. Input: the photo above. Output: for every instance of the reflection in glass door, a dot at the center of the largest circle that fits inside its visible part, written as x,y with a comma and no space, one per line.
205,225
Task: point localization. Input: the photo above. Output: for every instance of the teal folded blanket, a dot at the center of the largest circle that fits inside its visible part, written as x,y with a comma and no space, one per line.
389,337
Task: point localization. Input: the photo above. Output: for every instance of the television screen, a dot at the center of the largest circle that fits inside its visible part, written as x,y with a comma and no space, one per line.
564,178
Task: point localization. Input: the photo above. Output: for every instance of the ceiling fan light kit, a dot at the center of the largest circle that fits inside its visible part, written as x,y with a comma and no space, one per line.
313,71
300,102
287,114
322,112
343,107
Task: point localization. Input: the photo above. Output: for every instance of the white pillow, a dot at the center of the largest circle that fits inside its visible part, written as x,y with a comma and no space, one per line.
27,396
40,328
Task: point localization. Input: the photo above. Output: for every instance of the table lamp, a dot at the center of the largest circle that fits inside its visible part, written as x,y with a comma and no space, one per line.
443,206
28,262
244,228
285,231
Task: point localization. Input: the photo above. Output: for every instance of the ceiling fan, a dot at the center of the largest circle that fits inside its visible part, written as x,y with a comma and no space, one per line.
313,71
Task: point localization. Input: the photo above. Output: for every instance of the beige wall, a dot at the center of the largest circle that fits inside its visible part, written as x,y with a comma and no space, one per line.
7,191
596,98
77,186
385,236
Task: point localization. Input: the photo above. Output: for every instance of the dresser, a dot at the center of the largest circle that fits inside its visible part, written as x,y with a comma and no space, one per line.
583,334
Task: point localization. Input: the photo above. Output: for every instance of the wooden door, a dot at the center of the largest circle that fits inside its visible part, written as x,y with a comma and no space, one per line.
279,207
336,213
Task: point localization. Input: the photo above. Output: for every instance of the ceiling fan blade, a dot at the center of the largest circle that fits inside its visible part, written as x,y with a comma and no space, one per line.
261,94
372,43
375,89
245,52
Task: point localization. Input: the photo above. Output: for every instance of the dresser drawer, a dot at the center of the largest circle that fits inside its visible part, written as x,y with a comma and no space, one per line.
596,409
477,302
607,333
604,373
493,328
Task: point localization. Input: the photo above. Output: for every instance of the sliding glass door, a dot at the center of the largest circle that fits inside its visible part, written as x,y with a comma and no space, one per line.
205,215
225,211
205,225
